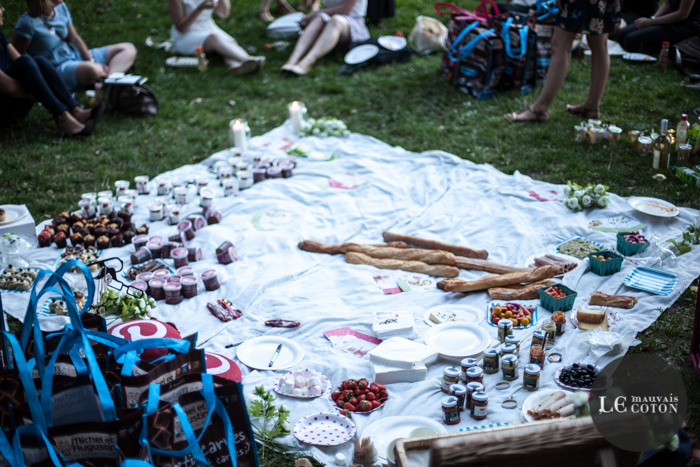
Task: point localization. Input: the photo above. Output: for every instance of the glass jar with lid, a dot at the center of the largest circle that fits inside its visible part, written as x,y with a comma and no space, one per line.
505,328
480,403
450,376
475,374
471,389
460,392
508,349
531,378
537,355
450,411
509,365
538,337
465,364
490,361
559,319
515,341
550,328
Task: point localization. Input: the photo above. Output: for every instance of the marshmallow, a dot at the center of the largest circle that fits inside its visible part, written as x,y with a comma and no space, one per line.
299,381
280,383
314,390
311,373
304,391
313,381
298,373
298,392
288,386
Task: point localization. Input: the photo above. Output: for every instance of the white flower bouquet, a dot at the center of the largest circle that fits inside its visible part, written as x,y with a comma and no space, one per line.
588,197
324,127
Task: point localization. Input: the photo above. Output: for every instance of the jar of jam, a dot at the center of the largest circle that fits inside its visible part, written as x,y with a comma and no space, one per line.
515,341
538,337
490,361
449,377
505,328
450,411
508,349
475,374
189,286
460,392
480,403
156,288
531,378
173,293
551,329
471,389
559,319
537,355
466,363
509,365
210,279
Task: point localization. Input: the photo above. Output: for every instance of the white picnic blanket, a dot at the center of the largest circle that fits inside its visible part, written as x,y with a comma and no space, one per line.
375,188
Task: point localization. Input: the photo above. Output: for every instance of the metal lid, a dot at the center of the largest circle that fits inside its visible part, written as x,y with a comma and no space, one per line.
451,372
467,362
540,334
458,389
509,358
512,339
555,357
508,348
449,401
504,323
475,386
490,353
533,369
474,371
480,396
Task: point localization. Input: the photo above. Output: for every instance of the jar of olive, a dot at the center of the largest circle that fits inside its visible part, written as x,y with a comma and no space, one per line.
505,328
509,365
531,378
490,361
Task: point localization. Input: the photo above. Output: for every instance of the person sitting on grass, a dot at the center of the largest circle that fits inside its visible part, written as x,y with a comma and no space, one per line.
284,8
193,26
24,79
675,21
338,22
597,19
47,30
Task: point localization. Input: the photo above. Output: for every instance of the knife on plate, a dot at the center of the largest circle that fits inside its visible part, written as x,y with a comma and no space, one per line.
274,356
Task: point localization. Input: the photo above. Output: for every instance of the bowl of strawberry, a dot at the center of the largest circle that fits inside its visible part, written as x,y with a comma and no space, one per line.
359,396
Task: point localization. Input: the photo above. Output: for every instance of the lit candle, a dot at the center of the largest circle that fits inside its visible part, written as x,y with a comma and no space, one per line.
240,139
296,116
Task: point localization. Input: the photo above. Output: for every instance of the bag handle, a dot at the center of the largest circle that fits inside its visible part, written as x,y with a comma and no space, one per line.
506,39
548,7
127,353
6,450
449,6
471,45
482,9
25,377
34,431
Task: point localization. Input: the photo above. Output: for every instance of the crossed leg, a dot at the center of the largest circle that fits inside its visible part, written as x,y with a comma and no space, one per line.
325,38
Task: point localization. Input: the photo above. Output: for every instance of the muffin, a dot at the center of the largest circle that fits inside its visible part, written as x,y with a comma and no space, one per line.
60,239
75,218
125,215
127,226
100,230
103,219
112,215
3,215
143,230
89,240
118,221
77,225
63,228
3,283
128,236
59,220
12,284
112,232
83,231
45,238
31,273
23,285
114,225
117,240
102,242
76,239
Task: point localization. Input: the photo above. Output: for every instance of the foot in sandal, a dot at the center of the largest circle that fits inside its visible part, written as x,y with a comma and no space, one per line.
581,109
266,16
528,114
246,67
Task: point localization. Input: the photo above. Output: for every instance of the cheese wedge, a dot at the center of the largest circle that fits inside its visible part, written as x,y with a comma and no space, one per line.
442,315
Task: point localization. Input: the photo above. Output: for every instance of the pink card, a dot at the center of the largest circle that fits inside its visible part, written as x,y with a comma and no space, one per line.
350,341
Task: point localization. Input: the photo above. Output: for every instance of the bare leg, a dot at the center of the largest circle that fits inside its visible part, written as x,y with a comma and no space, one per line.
265,11
306,41
80,114
558,69
89,73
68,124
337,31
120,57
231,51
284,7
600,67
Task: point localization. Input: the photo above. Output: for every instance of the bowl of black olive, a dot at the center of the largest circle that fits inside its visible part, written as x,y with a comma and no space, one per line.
577,376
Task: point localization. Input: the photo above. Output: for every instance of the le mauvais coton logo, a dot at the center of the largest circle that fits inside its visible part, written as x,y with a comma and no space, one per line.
641,404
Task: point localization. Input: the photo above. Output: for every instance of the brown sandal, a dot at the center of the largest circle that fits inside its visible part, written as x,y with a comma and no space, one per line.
582,111
540,115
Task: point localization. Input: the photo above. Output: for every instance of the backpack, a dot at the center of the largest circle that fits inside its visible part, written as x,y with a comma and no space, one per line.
687,54
136,100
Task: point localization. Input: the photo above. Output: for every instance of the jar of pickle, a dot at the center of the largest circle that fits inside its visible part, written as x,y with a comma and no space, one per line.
480,403
508,349
449,377
450,411
505,328
471,389
515,341
460,392
551,329
466,363
509,365
537,355
559,319
475,374
538,338
490,361
531,378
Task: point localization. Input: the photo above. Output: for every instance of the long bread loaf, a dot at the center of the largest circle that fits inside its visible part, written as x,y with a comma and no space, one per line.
437,270
481,265
529,292
318,247
495,280
435,245
404,254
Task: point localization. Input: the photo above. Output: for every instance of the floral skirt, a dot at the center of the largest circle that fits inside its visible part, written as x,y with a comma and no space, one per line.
593,17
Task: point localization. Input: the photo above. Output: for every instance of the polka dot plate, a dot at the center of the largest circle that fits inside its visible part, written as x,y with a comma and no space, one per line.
324,429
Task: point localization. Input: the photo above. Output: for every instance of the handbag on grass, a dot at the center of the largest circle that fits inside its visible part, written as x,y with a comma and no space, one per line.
543,20
135,100
520,44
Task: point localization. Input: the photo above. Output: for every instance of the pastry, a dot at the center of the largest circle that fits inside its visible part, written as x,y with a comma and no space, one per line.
102,242
438,270
59,220
82,231
404,254
45,238
112,232
12,284
125,215
63,228
23,285
89,240
60,239
434,245
143,230
100,230
128,236
493,280
76,239
617,301
117,240
75,218
481,265
3,215
529,292
3,283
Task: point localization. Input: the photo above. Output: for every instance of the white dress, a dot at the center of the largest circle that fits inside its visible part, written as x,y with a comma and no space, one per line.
185,43
356,19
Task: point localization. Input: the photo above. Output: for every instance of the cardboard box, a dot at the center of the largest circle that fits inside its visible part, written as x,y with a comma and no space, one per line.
25,226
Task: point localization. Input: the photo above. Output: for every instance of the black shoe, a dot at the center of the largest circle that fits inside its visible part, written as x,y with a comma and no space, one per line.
87,131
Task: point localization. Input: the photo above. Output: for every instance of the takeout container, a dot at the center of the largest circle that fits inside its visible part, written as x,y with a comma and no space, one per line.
605,268
629,249
557,304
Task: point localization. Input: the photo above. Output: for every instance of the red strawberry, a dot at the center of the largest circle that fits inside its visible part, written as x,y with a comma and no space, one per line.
340,402
348,396
362,384
344,384
375,404
346,413
365,406
381,387
361,391
374,388
349,406
352,384
335,395
383,395
354,401
371,396
361,397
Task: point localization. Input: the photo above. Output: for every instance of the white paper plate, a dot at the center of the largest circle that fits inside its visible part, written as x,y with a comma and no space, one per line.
566,386
181,62
13,212
257,353
578,237
653,206
571,259
324,429
464,314
386,430
636,57
361,54
532,401
392,42
457,340
613,316
325,383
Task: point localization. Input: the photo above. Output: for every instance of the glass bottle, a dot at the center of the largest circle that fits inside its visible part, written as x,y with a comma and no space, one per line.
682,131
663,56
661,147
694,133
201,58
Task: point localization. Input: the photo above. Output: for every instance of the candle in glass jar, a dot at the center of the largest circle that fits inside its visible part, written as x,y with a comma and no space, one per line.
296,115
238,129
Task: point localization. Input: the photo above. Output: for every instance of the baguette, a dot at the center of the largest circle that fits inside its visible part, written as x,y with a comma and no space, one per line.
405,254
617,301
586,315
488,266
556,406
494,280
434,245
554,397
437,270
529,292
318,247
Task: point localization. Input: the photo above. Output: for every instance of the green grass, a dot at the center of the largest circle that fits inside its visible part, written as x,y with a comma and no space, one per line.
407,105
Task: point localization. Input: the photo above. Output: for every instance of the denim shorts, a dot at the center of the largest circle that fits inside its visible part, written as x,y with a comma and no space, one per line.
67,68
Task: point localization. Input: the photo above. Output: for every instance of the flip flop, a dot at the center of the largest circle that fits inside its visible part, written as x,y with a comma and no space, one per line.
540,116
